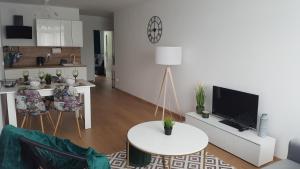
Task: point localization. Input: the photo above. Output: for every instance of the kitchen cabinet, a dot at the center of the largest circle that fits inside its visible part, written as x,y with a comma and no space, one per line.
64,33
77,34
48,32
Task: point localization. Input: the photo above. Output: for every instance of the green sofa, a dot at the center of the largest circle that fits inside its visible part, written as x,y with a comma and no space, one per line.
12,151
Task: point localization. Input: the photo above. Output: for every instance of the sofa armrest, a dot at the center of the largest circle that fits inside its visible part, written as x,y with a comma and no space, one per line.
294,150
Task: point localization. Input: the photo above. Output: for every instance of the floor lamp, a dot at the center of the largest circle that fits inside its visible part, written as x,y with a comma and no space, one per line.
167,56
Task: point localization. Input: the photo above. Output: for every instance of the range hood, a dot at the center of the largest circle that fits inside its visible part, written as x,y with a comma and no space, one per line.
18,31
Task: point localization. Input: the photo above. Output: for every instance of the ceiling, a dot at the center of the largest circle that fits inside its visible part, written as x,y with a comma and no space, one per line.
87,7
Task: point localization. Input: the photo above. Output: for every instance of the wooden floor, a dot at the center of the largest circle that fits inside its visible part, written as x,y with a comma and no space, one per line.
113,113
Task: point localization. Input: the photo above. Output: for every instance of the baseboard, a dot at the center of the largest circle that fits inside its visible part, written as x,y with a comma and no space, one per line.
176,115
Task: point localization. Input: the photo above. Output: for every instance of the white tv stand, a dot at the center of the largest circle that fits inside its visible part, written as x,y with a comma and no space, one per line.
246,145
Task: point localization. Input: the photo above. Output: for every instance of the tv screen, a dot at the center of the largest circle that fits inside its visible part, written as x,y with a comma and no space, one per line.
236,106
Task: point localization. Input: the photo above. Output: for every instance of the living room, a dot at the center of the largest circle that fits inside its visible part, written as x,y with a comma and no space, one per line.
243,45
249,46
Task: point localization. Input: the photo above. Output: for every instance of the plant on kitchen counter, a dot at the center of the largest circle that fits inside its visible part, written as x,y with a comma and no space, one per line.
48,79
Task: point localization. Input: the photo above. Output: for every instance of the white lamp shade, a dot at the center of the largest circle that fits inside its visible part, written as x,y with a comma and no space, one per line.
168,55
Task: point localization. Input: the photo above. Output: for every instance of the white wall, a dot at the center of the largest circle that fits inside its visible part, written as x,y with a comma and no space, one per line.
30,13
91,23
253,46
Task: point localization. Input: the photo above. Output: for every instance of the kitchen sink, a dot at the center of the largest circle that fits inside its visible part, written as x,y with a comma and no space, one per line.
71,64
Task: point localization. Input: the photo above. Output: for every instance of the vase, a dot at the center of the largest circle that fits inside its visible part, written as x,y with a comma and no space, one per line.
199,109
205,115
168,130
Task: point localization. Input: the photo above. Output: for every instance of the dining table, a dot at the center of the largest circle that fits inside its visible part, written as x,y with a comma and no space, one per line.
83,87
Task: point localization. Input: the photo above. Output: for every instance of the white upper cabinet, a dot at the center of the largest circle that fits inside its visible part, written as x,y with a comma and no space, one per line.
48,32
63,33
66,33
77,34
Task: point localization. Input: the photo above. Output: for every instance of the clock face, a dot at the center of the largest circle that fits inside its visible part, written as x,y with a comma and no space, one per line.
154,29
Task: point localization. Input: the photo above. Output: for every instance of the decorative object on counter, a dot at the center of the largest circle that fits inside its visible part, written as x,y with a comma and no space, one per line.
58,74
200,99
21,81
7,60
18,56
41,75
11,55
48,79
70,81
205,114
168,125
11,58
40,61
34,84
55,79
262,130
75,73
74,58
26,75
8,83
63,61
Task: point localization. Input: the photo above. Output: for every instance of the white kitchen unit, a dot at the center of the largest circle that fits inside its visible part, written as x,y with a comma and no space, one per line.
15,73
64,33
246,145
77,34
48,32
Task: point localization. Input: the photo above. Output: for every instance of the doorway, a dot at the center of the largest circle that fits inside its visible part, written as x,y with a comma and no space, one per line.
104,53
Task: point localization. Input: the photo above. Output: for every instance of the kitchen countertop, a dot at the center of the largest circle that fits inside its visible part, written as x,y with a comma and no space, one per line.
45,66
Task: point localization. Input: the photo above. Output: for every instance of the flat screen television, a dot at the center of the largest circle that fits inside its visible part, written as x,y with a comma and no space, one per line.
239,109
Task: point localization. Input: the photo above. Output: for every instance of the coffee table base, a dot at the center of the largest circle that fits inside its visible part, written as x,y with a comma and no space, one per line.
138,158
166,160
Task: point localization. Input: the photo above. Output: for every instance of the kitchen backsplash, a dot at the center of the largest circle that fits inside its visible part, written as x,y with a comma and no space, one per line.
15,56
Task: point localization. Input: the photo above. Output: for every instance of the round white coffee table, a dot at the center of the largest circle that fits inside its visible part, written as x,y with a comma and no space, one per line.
150,138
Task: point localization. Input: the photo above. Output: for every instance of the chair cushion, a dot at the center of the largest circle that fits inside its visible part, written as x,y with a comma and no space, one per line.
30,101
66,98
21,102
34,102
283,164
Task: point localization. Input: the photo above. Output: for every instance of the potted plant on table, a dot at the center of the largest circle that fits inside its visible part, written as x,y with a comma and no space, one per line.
48,79
200,99
168,125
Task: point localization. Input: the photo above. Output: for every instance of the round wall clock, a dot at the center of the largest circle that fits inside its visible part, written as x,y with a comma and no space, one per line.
154,29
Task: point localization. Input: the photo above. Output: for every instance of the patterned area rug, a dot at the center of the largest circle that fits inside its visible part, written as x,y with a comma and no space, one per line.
118,161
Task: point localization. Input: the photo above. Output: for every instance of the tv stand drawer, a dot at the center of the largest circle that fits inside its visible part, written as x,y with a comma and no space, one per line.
245,145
